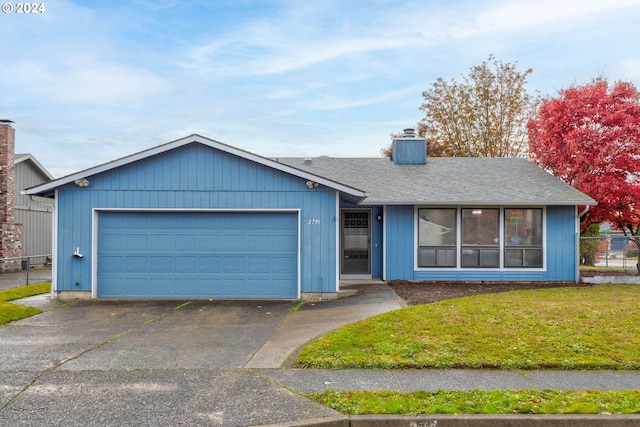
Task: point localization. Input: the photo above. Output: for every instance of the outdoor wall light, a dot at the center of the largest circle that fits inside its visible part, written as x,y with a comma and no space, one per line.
77,253
82,182
312,184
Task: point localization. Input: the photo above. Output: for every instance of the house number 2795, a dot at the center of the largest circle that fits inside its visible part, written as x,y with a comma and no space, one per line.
313,222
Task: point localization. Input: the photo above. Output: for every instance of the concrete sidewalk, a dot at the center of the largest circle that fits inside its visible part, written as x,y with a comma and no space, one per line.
19,278
319,380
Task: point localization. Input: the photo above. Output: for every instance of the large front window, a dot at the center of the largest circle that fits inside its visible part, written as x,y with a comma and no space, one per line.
480,238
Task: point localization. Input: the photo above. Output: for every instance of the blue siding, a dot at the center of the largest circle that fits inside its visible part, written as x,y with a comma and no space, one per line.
409,152
376,242
561,243
197,177
560,251
400,242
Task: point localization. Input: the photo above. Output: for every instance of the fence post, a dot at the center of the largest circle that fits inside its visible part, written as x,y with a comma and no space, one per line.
28,262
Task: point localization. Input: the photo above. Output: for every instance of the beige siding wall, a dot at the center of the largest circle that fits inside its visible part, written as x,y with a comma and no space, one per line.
34,213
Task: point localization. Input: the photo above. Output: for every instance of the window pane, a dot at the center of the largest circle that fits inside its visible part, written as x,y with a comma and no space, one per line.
480,227
470,257
436,227
436,257
513,258
447,257
523,227
480,257
490,257
533,258
427,257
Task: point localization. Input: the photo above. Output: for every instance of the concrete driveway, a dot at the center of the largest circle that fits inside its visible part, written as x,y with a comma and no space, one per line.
166,362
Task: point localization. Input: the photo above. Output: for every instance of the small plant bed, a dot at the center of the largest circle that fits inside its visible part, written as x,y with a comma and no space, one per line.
11,312
414,293
481,402
587,327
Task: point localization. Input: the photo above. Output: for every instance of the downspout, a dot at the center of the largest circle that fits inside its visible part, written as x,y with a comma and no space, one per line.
580,215
583,213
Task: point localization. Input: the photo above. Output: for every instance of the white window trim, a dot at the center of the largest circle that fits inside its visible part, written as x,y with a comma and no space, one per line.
501,246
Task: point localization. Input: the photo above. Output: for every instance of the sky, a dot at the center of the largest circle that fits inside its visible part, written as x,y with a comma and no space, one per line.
87,82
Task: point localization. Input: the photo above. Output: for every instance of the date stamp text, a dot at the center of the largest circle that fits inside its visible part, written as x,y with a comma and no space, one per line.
23,8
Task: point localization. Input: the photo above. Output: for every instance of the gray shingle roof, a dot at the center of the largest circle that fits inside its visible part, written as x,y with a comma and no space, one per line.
446,181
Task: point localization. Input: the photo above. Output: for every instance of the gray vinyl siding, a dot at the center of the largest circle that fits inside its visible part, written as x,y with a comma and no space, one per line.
33,212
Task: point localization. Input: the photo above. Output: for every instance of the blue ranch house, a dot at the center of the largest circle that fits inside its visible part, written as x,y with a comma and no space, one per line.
196,218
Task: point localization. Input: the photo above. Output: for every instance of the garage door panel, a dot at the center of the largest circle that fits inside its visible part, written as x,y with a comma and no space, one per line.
186,288
197,255
283,265
233,242
259,265
235,264
260,242
135,264
185,264
163,287
209,242
159,241
111,264
160,264
111,241
210,264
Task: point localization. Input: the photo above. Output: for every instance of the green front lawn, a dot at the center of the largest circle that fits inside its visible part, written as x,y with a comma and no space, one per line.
11,312
482,402
559,328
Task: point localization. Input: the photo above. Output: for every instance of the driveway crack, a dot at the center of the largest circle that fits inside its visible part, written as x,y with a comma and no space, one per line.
60,363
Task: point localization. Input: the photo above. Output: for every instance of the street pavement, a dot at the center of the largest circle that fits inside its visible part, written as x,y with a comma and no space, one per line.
185,363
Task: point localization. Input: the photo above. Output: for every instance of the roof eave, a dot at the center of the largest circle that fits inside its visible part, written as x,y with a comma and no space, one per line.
49,187
24,157
476,203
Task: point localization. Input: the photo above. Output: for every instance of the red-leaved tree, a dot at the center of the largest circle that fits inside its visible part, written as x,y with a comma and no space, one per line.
589,136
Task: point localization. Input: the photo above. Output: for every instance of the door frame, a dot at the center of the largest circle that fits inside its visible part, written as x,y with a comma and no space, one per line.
363,275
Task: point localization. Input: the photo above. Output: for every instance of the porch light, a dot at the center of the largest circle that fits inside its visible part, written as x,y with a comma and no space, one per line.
82,182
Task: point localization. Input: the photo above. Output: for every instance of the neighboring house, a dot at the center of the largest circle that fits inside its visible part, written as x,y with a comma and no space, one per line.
33,212
25,221
195,218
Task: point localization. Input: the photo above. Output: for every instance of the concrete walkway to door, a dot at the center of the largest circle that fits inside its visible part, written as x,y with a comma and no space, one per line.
314,319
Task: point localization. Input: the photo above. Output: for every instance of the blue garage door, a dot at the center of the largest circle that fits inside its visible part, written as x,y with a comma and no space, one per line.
197,255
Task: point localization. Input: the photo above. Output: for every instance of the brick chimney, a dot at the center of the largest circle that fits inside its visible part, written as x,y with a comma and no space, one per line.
10,232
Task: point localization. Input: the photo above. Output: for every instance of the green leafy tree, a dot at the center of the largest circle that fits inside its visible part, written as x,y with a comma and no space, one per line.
484,115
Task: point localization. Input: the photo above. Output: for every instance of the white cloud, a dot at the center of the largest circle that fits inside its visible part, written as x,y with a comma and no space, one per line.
90,82
526,15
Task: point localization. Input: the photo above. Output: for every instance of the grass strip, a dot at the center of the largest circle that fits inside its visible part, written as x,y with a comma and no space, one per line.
481,402
11,312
